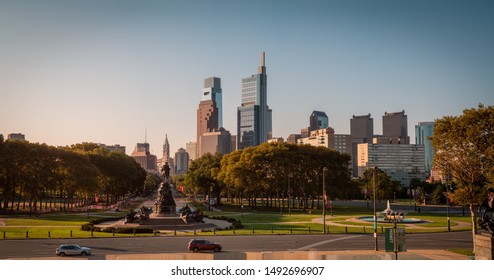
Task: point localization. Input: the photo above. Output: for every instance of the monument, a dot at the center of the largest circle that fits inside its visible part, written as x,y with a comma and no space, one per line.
484,249
165,202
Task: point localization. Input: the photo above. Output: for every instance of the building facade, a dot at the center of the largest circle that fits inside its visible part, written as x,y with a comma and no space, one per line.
318,120
16,137
207,121
181,161
113,148
212,91
395,128
145,159
216,142
400,162
423,132
191,149
361,131
254,117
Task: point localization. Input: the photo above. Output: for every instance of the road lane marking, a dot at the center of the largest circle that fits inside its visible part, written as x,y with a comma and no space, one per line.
326,241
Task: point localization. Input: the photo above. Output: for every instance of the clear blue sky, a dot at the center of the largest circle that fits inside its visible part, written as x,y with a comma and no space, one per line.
104,71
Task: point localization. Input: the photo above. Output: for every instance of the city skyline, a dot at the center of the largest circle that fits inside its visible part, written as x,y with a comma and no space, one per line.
107,71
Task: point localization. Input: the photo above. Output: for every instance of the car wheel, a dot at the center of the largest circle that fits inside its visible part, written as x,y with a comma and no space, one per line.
62,254
84,253
217,249
195,250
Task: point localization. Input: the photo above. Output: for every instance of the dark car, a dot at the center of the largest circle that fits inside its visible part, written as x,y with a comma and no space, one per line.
196,245
72,249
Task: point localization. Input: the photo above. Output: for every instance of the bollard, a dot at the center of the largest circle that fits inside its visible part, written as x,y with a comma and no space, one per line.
27,234
175,231
4,234
253,231
309,229
195,232
49,234
214,230
92,230
346,229
113,232
70,233
364,229
134,231
272,230
290,229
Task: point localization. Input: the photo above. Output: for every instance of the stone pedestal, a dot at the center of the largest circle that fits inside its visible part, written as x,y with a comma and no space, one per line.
484,249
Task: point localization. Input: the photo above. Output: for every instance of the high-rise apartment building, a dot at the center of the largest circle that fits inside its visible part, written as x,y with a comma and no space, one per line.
318,120
395,128
254,118
361,131
423,132
400,162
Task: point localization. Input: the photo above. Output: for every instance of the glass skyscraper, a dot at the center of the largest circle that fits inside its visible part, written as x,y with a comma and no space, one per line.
423,132
254,124
212,91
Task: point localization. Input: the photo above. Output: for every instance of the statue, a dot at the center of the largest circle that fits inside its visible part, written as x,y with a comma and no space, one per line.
165,202
486,222
165,170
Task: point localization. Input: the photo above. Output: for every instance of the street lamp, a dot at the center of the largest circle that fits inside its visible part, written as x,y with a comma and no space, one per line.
375,214
324,198
447,207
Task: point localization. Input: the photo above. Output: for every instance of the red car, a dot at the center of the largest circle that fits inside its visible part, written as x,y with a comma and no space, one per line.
196,245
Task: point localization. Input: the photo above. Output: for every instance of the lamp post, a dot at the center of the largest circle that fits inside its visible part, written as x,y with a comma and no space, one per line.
375,215
324,198
447,207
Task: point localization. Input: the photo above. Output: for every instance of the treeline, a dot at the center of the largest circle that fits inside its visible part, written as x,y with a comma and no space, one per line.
40,176
278,173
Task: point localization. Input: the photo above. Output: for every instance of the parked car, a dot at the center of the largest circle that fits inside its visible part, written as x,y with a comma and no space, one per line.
72,249
196,245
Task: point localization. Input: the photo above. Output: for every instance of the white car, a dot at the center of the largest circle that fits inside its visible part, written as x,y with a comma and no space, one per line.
72,249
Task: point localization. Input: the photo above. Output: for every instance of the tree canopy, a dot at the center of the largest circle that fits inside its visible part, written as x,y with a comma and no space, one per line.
464,148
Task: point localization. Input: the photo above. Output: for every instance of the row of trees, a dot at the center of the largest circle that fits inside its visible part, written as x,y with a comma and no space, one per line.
273,172
64,176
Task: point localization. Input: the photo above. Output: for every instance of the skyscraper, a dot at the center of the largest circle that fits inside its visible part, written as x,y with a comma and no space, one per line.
395,128
254,125
423,131
362,131
207,121
318,120
182,161
212,91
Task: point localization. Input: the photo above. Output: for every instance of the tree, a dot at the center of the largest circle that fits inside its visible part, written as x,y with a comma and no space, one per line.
464,148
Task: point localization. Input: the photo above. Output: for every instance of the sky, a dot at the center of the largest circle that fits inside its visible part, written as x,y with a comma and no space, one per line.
122,72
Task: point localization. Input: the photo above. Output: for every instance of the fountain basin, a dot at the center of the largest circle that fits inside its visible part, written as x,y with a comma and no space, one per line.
382,220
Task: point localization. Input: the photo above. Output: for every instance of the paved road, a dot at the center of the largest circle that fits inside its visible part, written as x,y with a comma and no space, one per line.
39,248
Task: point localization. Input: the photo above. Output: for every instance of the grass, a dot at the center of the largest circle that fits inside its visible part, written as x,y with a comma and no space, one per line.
255,221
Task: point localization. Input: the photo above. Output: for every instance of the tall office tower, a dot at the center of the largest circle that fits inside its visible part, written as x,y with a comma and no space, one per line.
318,120
218,141
181,161
254,118
362,131
142,155
423,131
395,128
212,91
207,121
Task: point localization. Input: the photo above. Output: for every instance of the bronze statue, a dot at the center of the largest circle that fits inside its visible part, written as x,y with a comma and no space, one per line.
486,222
166,171
166,203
